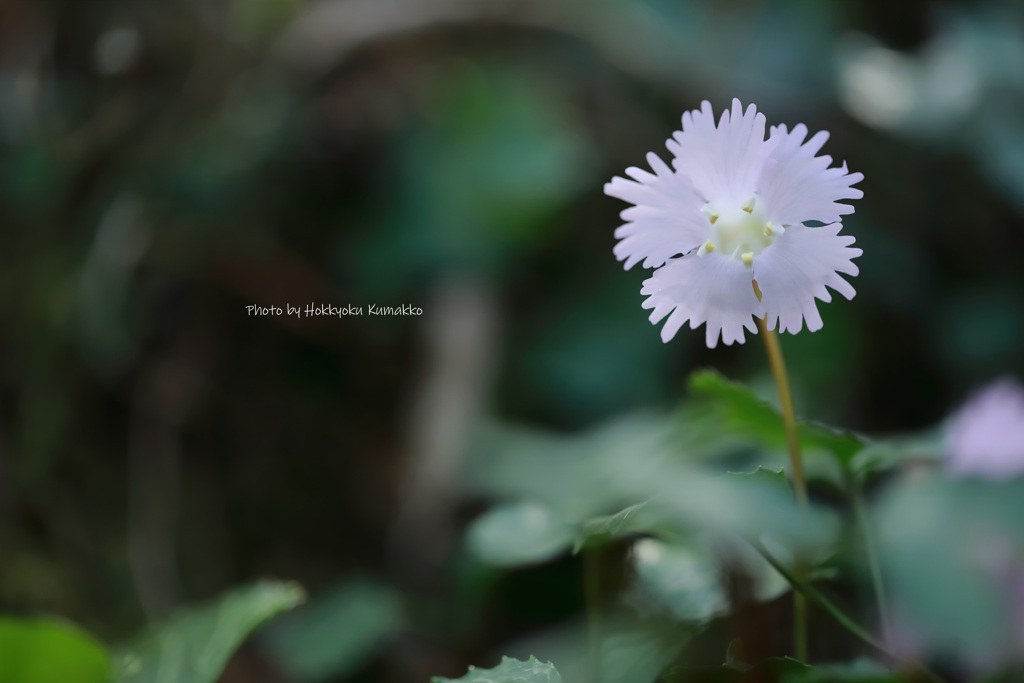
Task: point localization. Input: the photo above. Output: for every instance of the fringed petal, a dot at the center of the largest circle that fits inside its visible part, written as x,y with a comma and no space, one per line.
712,290
797,268
724,163
798,186
665,220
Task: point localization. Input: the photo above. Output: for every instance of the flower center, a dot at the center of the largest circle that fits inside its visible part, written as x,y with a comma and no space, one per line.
739,232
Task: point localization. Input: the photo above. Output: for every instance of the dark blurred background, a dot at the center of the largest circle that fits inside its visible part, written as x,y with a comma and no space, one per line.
164,165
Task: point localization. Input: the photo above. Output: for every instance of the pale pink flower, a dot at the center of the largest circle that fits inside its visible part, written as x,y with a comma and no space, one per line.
732,209
985,437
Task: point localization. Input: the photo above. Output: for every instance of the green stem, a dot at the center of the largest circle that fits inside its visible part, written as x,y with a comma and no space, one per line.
870,549
778,366
592,601
805,588
796,464
800,626
812,593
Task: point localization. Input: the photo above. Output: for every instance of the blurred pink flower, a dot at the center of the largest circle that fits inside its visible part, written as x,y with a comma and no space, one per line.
985,437
730,210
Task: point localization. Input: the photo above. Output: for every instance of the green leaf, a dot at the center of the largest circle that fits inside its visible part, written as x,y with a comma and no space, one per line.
509,671
519,534
687,578
881,455
858,671
952,547
764,477
682,578
576,476
336,633
744,413
50,651
600,531
745,506
632,650
195,645
639,653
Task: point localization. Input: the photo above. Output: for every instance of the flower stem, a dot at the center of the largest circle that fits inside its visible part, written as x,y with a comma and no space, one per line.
778,366
796,466
799,625
592,602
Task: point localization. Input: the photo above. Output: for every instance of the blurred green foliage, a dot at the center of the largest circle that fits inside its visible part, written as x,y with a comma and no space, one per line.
480,178
165,165
195,646
510,671
336,634
42,651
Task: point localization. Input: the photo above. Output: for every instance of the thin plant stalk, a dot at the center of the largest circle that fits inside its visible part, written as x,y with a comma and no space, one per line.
796,464
592,602
871,551
802,587
800,626
778,366
816,596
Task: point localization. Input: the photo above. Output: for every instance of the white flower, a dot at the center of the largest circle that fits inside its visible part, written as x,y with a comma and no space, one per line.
730,211
986,436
